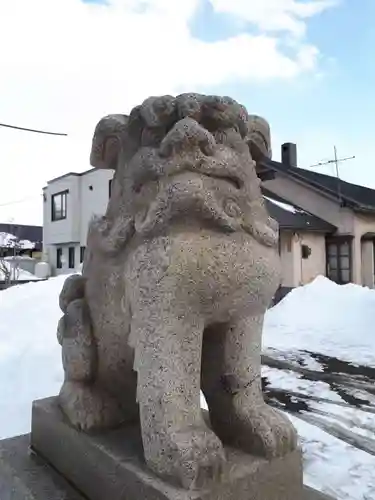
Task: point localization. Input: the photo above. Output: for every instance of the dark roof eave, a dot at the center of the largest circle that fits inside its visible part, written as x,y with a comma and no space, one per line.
273,165
349,202
70,174
364,209
327,230
300,222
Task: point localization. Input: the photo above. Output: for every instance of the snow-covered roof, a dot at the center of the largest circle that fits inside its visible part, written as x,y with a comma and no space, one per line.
29,237
8,240
291,217
284,206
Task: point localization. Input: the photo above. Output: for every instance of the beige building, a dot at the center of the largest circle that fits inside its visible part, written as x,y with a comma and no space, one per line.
338,240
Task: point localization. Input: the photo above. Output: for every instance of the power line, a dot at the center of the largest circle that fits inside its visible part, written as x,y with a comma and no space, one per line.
32,130
19,201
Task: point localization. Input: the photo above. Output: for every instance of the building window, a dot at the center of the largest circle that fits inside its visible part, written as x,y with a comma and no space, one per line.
339,260
58,258
58,205
110,188
82,254
71,257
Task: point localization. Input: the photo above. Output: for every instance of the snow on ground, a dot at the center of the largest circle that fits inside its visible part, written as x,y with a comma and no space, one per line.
326,318
30,358
335,467
331,464
288,380
320,318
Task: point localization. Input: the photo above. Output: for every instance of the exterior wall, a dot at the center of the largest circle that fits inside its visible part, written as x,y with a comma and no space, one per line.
312,201
287,259
357,257
315,264
364,257
62,231
93,201
368,263
297,271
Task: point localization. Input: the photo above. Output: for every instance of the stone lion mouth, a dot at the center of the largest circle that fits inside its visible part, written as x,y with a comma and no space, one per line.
226,178
234,181
230,179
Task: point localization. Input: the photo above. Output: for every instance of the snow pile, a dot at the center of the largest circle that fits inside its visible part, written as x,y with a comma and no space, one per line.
30,358
11,241
335,320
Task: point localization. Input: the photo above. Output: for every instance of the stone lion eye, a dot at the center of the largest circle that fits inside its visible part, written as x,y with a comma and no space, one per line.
231,208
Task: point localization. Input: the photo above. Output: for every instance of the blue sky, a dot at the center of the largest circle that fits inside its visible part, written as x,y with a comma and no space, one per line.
305,65
340,103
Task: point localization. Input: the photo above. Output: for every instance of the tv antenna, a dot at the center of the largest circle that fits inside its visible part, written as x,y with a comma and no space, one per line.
336,161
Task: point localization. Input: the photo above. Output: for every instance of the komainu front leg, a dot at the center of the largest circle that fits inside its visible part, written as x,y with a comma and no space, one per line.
231,382
86,407
177,443
89,409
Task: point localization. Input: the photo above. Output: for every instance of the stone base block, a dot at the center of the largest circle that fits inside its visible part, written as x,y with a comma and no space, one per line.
111,465
24,476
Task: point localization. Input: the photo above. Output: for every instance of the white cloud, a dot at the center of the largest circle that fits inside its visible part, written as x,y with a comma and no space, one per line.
64,64
274,15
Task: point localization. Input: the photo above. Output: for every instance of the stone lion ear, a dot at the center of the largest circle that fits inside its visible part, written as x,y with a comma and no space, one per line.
108,141
259,138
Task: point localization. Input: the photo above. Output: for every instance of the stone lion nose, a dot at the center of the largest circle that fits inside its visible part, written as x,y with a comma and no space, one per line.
186,136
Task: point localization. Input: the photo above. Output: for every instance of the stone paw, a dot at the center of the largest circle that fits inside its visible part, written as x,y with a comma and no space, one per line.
261,430
195,457
88,409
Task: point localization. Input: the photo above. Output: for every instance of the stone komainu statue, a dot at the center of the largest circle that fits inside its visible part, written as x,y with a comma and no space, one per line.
175,284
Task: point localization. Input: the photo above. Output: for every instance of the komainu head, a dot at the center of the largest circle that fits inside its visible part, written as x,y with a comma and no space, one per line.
188,159
148,124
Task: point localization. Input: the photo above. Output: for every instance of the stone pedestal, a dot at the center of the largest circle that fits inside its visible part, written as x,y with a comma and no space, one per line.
68,465
24,476
111,465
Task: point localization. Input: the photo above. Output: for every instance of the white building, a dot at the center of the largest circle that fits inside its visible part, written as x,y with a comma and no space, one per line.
69,202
